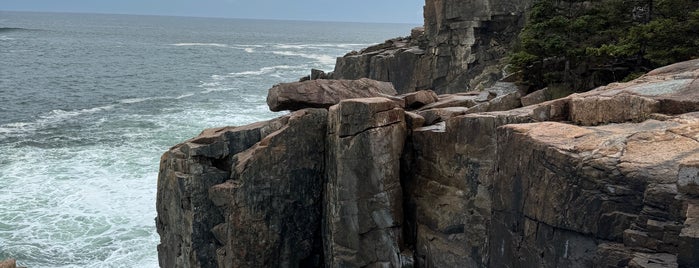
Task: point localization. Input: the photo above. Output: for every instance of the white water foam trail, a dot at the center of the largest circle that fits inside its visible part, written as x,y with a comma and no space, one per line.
323,45
53,117
322,58
57,116
261,71
199,44
246,48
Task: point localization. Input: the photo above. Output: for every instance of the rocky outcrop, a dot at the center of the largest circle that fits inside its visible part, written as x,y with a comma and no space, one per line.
220,204
461,48
9,263
607,178
324,93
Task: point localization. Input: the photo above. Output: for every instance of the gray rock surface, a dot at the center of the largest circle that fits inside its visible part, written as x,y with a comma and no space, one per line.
606,178
272,216
363,196
461,48
221,205
555,184
324,93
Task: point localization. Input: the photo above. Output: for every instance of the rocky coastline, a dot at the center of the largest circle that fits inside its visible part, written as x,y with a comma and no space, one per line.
449,165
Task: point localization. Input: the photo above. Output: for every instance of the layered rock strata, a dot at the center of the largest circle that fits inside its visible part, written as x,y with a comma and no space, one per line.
607,178
460,48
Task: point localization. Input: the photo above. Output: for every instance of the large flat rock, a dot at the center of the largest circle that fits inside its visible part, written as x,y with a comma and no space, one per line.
323,93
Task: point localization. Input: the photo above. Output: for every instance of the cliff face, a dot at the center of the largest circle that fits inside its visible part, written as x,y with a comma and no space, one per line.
607,178
460,48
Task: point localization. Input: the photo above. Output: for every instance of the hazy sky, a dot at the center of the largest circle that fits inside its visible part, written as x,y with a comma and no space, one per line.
405,11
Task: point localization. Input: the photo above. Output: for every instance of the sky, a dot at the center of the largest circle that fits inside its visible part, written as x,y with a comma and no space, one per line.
395,11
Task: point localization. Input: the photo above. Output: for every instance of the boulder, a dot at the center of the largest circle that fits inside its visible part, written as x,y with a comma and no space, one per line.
536,97
324,93
671,90
318,74
418,99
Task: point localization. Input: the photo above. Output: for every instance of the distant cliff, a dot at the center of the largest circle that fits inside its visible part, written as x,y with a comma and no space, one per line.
461,47
357,176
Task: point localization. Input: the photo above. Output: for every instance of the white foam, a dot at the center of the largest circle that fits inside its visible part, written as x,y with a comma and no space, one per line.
52,117
261,71
249,50
5,38
184,96
321,45
322,58
200,44
134,100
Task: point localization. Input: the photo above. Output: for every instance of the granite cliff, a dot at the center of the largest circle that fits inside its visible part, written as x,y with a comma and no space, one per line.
363,175
460,48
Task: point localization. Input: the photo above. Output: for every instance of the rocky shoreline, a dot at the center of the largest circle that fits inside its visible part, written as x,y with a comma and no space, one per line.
446,166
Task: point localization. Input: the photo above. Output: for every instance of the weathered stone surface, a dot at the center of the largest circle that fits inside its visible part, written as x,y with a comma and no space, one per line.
413,120
501,97
201,178
272,216
670,90
688,180
536,97
658,260
318,74
187,171
9,263
461,48
324,93
418,99
588,184
689,236
448,177
363,197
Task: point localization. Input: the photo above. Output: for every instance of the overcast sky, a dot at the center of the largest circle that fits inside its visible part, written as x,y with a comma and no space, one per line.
402,11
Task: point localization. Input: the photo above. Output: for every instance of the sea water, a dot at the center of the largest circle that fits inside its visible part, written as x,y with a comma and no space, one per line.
88,103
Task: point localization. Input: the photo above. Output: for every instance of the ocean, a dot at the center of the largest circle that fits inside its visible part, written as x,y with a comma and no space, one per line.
88,104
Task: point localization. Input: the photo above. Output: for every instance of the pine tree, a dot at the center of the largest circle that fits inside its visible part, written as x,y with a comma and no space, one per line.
583,44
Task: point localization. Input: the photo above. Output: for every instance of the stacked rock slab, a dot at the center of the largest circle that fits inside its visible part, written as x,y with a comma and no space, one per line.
460,48
324,93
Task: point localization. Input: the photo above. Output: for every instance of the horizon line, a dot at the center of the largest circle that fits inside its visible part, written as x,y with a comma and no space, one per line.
206,17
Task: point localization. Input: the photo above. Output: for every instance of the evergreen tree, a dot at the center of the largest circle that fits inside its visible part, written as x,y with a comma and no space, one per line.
584,44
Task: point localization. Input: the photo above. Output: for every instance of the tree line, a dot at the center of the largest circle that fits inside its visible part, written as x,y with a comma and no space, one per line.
585,44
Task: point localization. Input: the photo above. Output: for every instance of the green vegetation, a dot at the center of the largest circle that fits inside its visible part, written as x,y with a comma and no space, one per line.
584,44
